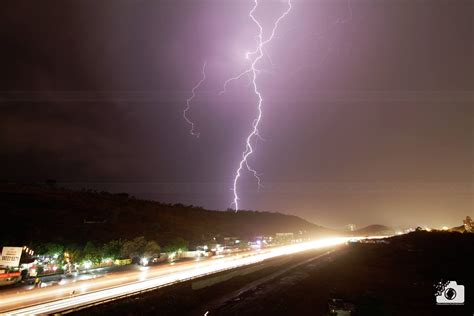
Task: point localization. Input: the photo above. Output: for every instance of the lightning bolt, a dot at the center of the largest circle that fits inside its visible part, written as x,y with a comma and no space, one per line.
255,56
188,101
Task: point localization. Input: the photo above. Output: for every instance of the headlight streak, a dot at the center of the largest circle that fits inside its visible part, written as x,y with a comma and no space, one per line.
176,274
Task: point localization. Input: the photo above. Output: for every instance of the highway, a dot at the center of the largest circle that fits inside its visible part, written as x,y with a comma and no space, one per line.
75,295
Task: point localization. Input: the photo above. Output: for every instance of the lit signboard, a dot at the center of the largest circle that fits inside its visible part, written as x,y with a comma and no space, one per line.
11,256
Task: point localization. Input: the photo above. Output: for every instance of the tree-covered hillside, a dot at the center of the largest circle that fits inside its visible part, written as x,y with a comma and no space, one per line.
42,213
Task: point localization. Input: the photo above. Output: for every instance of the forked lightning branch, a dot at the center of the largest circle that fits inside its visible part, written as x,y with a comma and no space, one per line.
255,57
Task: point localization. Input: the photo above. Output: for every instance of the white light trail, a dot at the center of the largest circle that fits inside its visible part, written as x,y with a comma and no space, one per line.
54,300
255,56
193,95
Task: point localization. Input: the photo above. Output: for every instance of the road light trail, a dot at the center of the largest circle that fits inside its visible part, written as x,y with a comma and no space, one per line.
58,299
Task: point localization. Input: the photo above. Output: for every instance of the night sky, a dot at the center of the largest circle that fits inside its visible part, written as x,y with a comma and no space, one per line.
368,104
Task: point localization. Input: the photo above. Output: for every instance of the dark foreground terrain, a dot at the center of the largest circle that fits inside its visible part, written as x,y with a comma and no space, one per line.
378,279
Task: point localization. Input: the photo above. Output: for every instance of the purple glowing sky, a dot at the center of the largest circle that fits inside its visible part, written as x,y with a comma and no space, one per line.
368,104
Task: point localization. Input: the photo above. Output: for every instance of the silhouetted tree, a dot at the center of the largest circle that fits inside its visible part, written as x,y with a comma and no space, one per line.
176,244
92,253
52,249
139,247
152,249
112,249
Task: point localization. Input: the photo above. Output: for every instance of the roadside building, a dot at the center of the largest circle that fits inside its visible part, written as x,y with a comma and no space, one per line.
231,242
283,238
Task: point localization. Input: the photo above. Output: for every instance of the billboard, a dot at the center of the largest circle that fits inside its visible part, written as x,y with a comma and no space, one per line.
11,256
